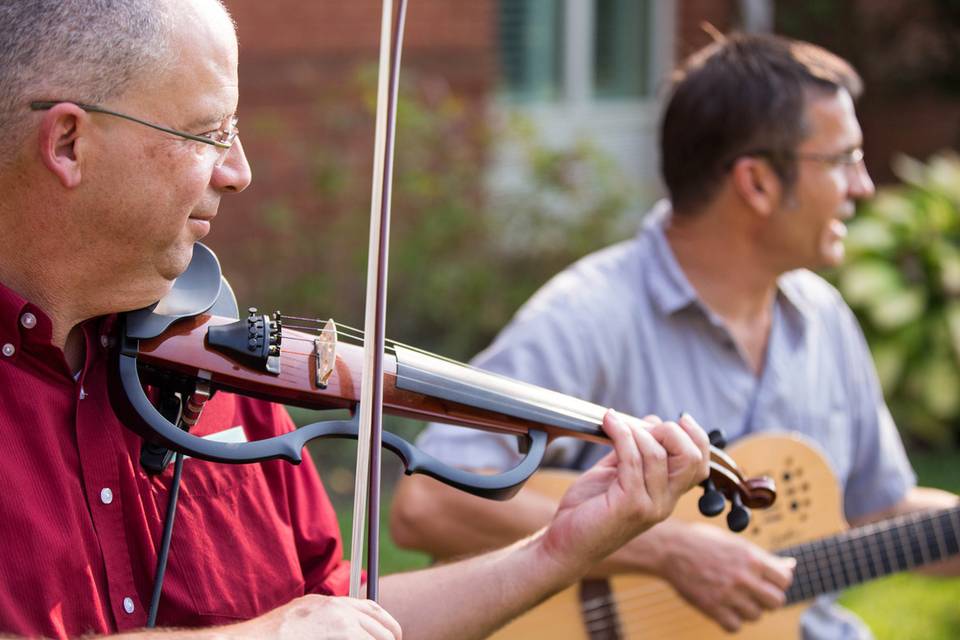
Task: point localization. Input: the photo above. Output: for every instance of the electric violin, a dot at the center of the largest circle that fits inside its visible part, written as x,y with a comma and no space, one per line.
193,341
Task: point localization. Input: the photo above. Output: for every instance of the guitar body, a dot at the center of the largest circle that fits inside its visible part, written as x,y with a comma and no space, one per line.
808,507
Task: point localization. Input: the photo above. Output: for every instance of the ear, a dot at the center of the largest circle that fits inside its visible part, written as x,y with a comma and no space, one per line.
61,142
757,185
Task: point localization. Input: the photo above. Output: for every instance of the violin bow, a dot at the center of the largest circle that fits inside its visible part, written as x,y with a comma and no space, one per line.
366,498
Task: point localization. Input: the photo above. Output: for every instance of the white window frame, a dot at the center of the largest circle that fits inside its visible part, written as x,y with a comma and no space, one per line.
626,128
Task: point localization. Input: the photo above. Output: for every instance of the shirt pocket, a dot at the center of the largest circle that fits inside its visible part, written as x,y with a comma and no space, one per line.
233,551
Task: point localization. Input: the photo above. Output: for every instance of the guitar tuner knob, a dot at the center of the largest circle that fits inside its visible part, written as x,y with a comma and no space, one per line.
739,517
711,503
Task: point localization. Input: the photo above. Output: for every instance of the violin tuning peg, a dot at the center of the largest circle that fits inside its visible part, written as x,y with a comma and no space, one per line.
711,503
718,438
739,517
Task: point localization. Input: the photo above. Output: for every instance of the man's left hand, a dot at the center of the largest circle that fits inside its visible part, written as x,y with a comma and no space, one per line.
634,487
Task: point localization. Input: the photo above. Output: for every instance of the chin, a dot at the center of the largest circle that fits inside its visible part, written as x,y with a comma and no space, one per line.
175,262
832,258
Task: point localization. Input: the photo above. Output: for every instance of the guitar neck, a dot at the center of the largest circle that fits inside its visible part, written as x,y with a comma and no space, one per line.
872,551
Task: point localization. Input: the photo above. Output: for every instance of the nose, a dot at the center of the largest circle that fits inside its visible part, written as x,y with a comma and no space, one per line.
234,174
861,185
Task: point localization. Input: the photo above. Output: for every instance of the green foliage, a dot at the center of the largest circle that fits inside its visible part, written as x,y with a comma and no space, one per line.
902,278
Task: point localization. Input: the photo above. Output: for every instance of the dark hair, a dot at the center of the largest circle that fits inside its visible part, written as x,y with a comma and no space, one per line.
740,93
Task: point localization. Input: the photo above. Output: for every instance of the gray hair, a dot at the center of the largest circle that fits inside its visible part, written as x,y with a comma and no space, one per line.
83,50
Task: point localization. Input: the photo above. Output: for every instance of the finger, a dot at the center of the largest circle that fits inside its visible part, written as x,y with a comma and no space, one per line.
693,429
652,418
779,571
375,630
744,605
727,618
676,441
766,594
655,463
378,613
624,447
684,458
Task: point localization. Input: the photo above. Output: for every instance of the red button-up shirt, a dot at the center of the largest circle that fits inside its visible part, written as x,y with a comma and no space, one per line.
80,521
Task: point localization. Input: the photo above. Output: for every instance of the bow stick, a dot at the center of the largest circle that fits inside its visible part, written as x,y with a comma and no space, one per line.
366,498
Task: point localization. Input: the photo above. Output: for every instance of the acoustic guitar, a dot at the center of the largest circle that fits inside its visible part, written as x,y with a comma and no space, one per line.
806,523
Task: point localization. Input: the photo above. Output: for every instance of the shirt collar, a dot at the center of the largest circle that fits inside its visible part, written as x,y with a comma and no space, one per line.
21,321
670,289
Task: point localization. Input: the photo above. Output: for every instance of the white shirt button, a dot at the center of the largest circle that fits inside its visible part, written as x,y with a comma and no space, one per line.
106,497
104,341
9,350
128,605
28,320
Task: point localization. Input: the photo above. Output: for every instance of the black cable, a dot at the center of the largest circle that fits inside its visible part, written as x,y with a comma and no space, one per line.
165,541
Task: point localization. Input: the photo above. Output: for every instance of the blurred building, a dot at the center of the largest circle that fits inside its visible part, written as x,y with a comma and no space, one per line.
576,68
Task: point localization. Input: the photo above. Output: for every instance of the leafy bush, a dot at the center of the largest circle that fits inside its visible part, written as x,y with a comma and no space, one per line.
902,278
463,256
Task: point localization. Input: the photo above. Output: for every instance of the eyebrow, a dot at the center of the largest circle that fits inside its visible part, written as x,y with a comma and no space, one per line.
205,121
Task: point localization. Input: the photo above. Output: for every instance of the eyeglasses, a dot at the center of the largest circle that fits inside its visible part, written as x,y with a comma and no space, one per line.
848,158
221,138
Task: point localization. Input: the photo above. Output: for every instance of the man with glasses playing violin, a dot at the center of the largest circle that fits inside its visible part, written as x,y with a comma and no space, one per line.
710,309
118,137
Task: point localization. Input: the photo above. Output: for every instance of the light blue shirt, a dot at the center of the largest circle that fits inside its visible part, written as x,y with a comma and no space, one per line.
624,328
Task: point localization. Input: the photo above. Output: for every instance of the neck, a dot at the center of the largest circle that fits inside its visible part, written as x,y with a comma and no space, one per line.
725,267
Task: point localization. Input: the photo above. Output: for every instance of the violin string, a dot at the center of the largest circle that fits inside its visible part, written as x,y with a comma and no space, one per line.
390,347
543,407
358,334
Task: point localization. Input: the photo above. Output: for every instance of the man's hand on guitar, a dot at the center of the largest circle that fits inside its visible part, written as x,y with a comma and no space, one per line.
634,487
725,576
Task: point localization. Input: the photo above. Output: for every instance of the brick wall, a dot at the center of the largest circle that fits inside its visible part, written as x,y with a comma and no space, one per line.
299,64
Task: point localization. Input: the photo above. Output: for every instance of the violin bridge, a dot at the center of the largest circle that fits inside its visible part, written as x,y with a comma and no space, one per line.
325,351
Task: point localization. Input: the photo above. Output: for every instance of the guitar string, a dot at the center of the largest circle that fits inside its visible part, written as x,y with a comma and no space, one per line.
625,618
914,521
632,596
832,555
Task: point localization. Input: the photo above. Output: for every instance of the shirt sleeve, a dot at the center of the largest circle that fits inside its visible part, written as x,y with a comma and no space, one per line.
880,474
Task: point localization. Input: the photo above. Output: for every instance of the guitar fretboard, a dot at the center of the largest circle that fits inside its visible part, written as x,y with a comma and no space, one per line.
872,551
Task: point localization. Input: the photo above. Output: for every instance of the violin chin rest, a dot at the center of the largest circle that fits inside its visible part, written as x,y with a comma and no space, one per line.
199,289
